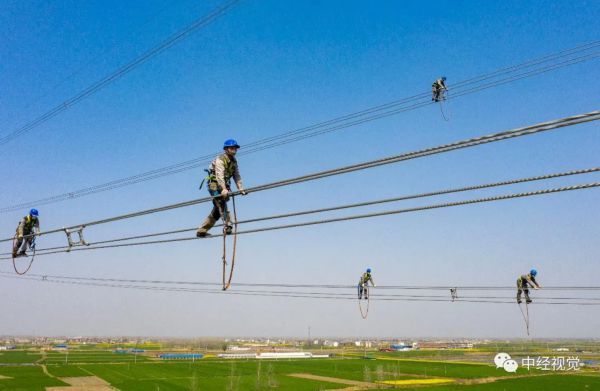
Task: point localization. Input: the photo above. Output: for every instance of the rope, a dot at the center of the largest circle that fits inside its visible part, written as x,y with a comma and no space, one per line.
365,313
476,141
443,98
525,317
442,111
527,310
14,261
349,218
227,284
190,164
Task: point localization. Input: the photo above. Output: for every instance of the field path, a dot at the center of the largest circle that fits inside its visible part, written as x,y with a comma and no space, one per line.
46,371
358,384
43,357
87,383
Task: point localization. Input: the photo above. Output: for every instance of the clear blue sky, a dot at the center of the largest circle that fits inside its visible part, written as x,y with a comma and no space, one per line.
272,66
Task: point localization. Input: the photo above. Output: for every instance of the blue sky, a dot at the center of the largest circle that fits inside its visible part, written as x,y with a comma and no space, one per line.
271,66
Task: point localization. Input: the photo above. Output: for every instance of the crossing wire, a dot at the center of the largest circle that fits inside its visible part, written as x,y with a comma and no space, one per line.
355,205
476,141
317,295
336,219
316,129
90,90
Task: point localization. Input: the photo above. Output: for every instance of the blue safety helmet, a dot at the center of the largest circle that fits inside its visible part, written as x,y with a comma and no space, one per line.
230,143
368,270
443,78
533,272
34,212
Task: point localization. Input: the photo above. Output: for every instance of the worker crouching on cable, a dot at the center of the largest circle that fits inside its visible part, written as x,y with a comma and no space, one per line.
28,227
523,284
220,172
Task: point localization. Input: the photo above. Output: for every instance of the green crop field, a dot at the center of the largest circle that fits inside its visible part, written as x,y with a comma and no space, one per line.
26,378
19,357
27,370
542,383
87,356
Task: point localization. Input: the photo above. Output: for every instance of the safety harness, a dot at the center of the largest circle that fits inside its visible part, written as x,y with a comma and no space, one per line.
230,165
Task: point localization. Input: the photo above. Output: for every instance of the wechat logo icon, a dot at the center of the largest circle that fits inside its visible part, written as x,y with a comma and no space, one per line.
503,360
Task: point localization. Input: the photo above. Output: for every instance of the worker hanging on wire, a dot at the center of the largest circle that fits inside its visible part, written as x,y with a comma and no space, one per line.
220,172
363,285
438,89
523,284
28,227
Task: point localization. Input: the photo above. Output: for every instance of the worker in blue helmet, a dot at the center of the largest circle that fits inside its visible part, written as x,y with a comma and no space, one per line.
28,227
438,89
220,173
523,284
363,284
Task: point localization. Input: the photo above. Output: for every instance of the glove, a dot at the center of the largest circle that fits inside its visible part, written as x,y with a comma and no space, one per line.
243,191
224,192
19,237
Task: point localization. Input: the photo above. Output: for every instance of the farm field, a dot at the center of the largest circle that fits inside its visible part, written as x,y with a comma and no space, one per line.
27,370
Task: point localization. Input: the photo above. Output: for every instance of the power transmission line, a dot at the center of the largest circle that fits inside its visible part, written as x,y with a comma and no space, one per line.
300,286
359,204
43,252
370,114
97,86
93,60
317,295
476,141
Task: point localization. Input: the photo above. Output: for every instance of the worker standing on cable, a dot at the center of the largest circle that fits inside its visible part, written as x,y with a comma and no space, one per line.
363,284
438,88
523,284
220,172
28,227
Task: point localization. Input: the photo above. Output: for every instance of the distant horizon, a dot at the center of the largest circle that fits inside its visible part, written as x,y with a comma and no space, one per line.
305,338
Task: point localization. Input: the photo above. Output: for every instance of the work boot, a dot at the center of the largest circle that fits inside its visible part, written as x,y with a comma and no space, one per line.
21,253
206,225
519,301
228,229
528,301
